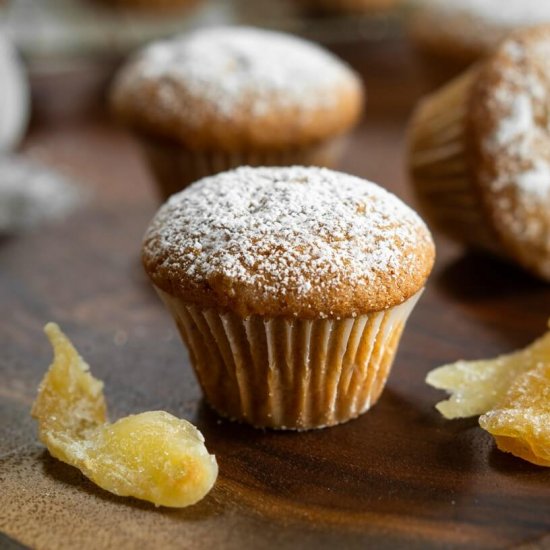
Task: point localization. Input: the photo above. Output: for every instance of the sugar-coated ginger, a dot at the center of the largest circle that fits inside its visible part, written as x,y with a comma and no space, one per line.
153,456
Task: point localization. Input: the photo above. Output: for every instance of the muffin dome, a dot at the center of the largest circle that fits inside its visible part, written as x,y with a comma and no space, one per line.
305,242
509,125
237,87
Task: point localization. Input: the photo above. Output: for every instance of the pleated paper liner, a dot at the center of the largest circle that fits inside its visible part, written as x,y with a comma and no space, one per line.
441,171
290,373
176,167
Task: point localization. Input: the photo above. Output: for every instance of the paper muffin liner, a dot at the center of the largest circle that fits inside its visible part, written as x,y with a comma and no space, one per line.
176,167
440,168
290,373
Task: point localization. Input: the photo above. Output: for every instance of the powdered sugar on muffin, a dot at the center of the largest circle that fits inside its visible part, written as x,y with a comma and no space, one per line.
290,239
515,142
229,72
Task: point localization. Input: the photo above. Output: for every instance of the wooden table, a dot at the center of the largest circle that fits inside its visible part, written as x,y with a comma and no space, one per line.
398,477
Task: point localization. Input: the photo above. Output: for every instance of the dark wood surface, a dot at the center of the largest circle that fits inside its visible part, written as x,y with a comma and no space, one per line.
398,477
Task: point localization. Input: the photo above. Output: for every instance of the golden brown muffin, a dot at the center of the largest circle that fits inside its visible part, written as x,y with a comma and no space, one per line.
480,153
290,287
226,97
451,35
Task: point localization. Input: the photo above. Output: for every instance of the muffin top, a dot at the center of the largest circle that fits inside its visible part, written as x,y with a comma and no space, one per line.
510,126
472,28
296,241
235,87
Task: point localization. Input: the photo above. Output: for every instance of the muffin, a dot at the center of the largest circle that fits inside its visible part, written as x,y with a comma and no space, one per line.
451,35
349,7
221,98
480,153
290,288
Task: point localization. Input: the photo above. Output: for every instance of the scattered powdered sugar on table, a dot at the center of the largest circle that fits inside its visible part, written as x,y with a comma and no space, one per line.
285,230
31,194
229,66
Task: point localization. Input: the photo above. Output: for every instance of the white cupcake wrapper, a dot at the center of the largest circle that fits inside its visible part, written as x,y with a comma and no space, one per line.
290,373
176,167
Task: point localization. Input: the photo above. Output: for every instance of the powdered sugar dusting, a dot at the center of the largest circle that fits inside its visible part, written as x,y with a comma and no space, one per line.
522,129
518,140
536,182
282,231
235,66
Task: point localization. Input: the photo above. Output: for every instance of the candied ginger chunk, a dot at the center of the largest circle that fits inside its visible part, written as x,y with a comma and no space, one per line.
477,386
153,456
520,423
70,402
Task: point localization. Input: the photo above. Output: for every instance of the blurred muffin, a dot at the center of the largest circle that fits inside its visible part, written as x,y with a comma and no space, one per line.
225,97
451,35
290,287
349,7
480,153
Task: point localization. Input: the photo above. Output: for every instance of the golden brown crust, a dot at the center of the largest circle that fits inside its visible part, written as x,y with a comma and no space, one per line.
508,133
303,242
238,89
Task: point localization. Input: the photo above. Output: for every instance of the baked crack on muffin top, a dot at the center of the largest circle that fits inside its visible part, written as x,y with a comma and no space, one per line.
298,241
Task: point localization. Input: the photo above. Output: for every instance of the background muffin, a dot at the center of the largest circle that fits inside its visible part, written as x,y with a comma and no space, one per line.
226,97
290,287
480,153
451,35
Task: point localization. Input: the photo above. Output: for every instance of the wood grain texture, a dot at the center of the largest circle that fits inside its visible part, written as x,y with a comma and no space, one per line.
398,477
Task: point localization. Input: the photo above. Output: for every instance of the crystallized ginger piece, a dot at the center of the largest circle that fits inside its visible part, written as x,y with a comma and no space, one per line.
153,456
478,386
520,423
